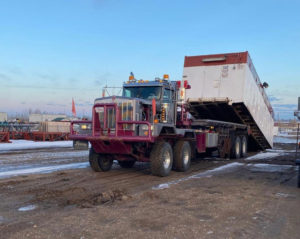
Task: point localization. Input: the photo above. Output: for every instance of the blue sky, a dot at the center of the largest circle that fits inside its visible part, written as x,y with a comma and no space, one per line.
51,51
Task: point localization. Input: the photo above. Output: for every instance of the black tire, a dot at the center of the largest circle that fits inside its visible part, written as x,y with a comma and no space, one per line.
161,159
244,146
100,162
126,163
182,156
236,148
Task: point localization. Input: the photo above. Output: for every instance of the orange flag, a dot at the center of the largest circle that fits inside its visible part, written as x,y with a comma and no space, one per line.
73,108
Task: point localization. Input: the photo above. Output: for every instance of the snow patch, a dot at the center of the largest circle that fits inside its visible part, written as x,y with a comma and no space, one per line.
280,150
284,195
44,157
163,186
27,208
46,169
27,144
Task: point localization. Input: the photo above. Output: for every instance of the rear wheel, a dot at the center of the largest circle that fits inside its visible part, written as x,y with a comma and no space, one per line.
236,148
182,156
161,159
244,146
126,163
100,162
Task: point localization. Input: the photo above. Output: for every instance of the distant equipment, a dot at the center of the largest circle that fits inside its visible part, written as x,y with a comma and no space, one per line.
36,118
297,113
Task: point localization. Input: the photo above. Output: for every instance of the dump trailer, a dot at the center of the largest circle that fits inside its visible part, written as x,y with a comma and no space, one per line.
159,122
226,87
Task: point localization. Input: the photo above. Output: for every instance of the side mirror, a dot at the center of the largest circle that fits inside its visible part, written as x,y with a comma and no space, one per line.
265,85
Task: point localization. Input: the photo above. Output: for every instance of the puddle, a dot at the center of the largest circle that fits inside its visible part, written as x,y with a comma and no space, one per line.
206,174
270,168
267,155
231,167
27,208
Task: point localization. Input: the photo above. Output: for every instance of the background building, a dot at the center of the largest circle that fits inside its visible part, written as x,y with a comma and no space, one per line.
3,116
35,118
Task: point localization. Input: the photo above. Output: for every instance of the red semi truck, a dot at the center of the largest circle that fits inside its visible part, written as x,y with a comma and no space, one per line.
155,121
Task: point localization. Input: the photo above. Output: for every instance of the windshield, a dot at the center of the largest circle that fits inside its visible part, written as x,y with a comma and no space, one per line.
148,92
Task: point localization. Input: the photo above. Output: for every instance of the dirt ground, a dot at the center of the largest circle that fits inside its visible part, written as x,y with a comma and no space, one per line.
255,198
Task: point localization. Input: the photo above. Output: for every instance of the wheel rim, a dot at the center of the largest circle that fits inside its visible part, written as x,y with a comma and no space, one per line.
186,156
166,159
105,162
244,146
237,148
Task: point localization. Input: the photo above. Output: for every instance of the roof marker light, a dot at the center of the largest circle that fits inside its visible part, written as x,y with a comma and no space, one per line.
214,59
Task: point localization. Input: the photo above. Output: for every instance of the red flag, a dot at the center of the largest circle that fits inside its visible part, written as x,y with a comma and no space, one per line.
73,108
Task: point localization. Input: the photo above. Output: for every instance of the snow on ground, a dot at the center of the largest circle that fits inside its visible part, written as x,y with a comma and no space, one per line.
27,144
274,150
45,169
43,157
285,134
284,140
27,208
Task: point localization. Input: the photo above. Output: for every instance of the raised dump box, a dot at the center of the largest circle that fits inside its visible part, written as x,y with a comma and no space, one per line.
226,87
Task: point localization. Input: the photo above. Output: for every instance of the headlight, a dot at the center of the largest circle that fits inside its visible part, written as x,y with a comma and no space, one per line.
144,127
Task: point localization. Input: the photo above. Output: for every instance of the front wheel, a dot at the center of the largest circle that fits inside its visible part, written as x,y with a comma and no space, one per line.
161,159
182,156
100,162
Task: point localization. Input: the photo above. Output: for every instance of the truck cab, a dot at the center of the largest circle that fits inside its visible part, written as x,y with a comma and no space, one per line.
162,92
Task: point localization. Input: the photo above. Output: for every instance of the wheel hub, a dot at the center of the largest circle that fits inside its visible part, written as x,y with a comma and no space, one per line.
237,148
244,147
185,157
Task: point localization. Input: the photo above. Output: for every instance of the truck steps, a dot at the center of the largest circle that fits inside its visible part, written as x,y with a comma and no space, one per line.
246,118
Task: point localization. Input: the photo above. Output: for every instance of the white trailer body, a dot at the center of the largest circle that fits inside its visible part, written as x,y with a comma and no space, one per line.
230,78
